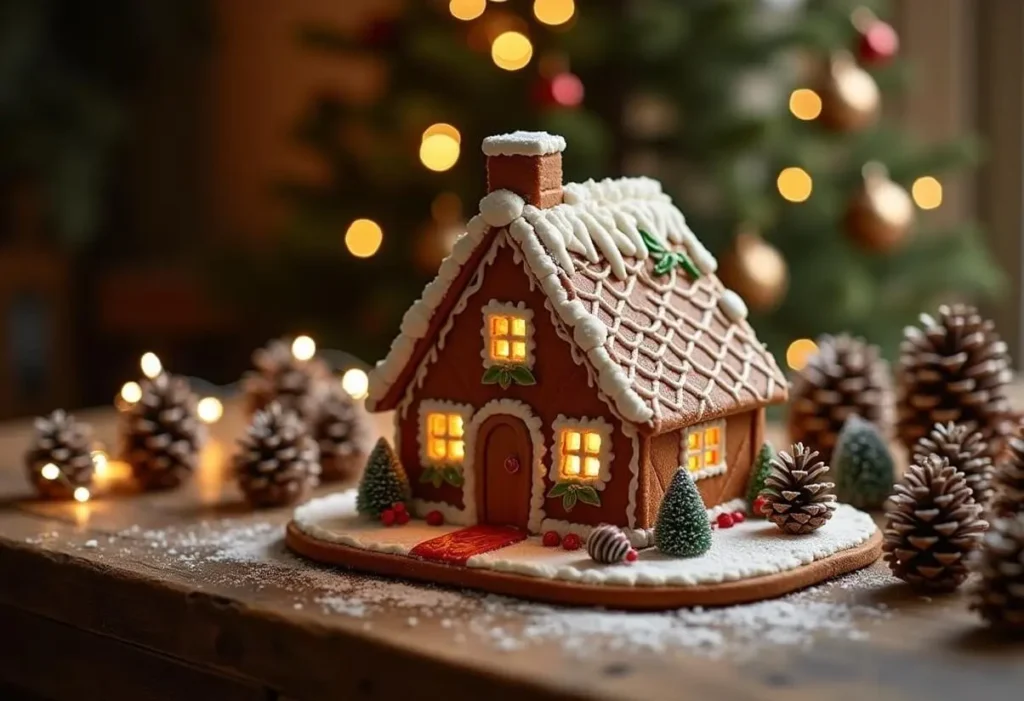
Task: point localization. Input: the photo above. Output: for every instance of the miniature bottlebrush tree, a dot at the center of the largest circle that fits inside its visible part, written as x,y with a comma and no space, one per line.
762,468
865,470
384,481
682,528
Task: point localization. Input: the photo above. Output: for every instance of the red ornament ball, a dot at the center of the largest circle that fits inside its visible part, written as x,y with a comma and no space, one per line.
387,517
401,517
572,542
738,517
435,518
398,507
879,43
632,555
551,539
724,520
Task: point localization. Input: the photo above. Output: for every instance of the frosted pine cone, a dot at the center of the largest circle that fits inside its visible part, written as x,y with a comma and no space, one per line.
342,432
298,385
1009,480
59,460
954,368
933,524
278,462
162,434
965,450
797,498
999,597
846,377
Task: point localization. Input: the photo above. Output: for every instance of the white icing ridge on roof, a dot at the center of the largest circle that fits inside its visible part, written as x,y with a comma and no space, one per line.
523,143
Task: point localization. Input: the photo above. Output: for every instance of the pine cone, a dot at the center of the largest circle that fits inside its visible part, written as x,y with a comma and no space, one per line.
999,597
955,368
933,523
796,497
342,433
847,376
298,385
162,434
279,461
965,450
64,442
1009,481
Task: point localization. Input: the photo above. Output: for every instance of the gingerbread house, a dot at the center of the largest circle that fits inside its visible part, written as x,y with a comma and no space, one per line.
573,352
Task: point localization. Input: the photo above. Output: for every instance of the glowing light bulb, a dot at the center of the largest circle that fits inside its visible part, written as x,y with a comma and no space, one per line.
50,471
363,238
442,128
131,392
439,151
927,192
355,383
151,365
511,51
795,184
805,104
303,347
100,461
210,410
82,495
800,352
553,12
467,10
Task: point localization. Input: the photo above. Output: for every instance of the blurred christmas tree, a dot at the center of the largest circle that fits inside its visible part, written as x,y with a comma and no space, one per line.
760,118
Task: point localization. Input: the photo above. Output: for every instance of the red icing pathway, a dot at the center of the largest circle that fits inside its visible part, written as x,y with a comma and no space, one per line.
458,546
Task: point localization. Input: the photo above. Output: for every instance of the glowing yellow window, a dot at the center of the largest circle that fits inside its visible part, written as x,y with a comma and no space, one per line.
445,440
581,454
508,334
704,447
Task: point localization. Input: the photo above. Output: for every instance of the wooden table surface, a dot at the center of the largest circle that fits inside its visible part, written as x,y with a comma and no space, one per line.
190,594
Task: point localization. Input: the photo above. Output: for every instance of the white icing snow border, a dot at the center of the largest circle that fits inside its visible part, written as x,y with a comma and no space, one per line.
523,143
605,454
509,309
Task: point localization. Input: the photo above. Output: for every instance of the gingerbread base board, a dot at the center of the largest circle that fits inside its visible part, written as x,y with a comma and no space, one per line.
327,533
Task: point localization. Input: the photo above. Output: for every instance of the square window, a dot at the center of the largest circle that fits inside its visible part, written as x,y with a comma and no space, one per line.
572,441
519,351
499,326
519,327
693,441
444,438
580,454
704,447
571,465
593,443
693,463
591,467
455,426
507,333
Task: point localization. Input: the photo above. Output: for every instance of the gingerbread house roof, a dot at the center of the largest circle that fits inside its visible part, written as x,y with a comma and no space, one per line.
665,348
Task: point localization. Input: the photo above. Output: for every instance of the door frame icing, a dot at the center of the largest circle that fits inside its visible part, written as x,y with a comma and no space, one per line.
523,412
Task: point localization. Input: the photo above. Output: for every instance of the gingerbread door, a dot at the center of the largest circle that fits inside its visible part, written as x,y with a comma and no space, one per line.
503,458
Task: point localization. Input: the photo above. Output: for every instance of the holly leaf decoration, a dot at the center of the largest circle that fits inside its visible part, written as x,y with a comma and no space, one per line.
665,260
453,476
663,266
491,375
504,378
522,375
653,245
588,495
559,489
569,499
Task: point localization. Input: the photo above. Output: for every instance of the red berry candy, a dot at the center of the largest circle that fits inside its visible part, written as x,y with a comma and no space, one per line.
402,517
571,542
879,43
551,539
758,505
399,507
387,517
725,520
631,556
435,518
738,517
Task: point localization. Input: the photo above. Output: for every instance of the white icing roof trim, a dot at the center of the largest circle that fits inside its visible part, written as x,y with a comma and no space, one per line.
523,143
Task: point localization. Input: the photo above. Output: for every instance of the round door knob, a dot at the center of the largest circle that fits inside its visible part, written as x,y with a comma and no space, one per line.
512,464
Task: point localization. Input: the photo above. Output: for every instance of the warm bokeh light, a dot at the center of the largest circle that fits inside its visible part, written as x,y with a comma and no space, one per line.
439,152
800,352
50,471
927,192
210,410
446,208
553,12
303,347
442,128
467,10
151,365
100,461
131,392
355,383
363,238
805,104
82,495
794,184
511,51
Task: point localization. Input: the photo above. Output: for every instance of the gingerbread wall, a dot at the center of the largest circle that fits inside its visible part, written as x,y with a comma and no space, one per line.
743,435
561,389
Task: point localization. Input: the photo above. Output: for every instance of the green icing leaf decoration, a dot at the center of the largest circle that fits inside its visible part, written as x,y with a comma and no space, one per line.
569,500
665,260
441,474
491,375
506,375
588,495
573,492
522,375
559,489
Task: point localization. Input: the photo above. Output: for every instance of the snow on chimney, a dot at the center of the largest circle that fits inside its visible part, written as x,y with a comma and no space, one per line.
528,163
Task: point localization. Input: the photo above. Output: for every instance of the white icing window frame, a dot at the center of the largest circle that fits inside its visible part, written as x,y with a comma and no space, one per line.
704,471
442,406
513,309
605,454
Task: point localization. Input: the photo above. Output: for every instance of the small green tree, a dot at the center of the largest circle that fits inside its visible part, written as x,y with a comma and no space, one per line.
384,481
864,466
682,528
759,473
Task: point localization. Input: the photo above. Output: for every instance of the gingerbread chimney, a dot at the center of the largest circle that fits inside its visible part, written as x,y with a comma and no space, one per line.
528,163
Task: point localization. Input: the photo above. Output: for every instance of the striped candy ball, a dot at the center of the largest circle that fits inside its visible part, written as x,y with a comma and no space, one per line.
608,545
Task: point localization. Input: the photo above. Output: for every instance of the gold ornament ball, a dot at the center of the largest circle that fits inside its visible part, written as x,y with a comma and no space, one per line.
755,270
881,213
850,98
